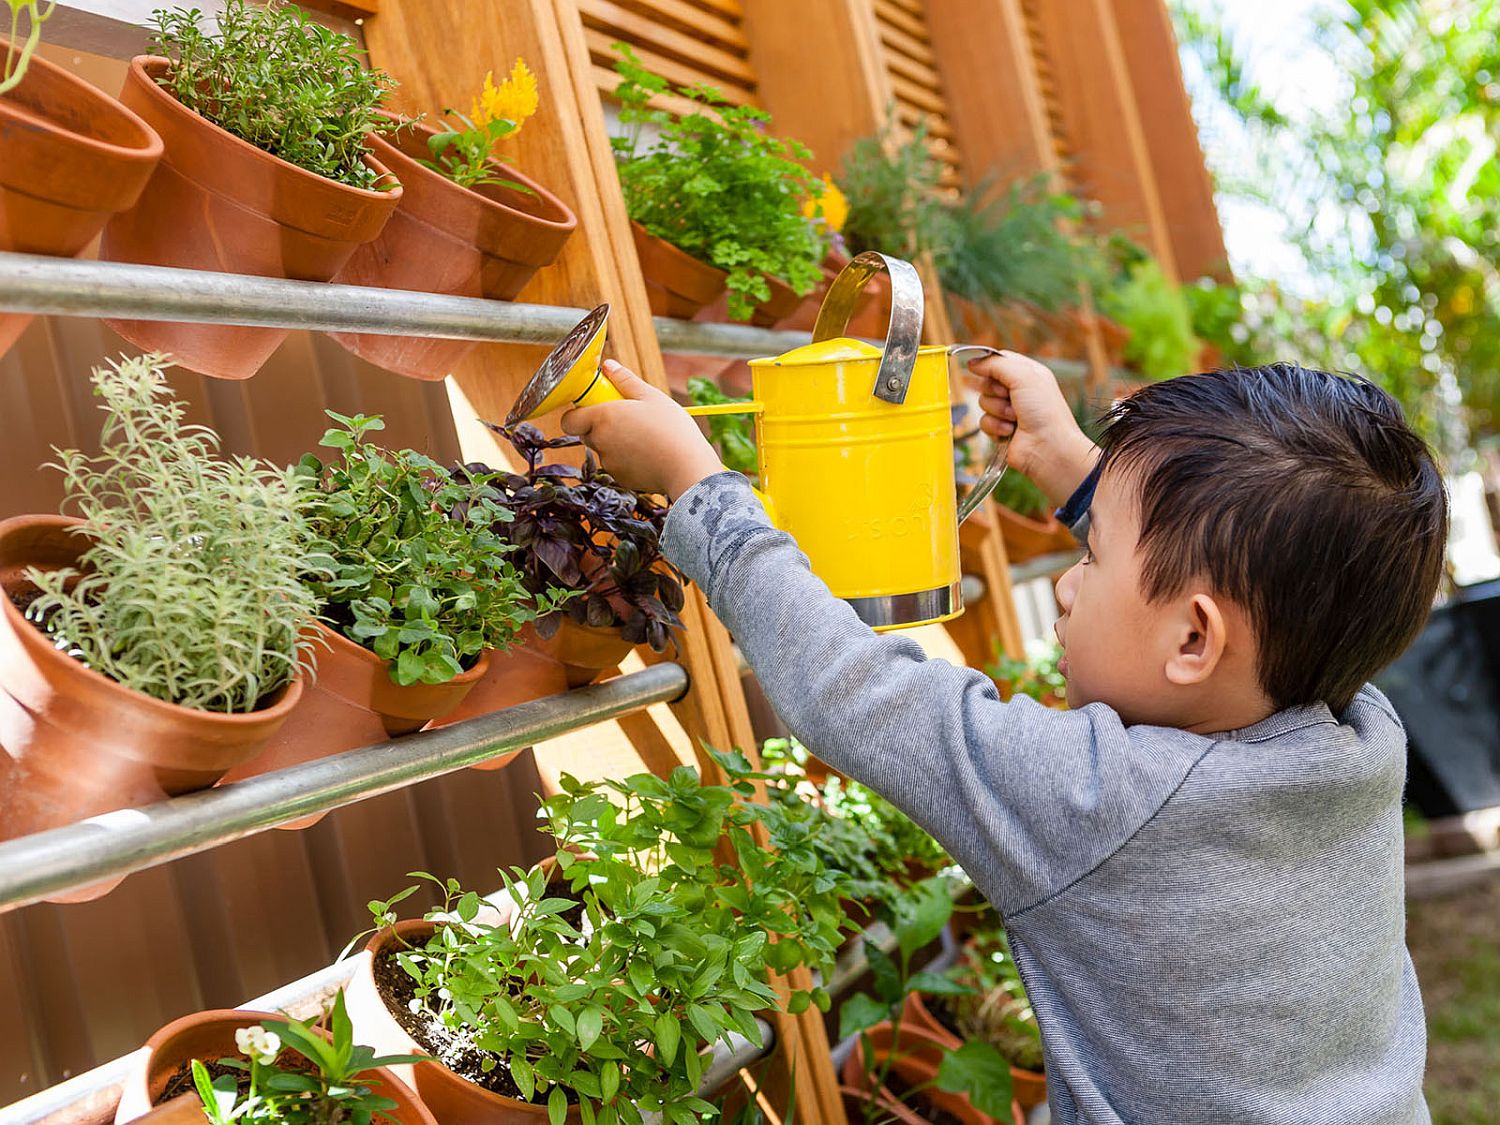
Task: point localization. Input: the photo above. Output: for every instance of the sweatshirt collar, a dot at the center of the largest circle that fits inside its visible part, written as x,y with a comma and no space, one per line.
1282,722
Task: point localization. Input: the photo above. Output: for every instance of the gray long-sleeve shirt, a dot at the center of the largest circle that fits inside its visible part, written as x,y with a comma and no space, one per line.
1210,928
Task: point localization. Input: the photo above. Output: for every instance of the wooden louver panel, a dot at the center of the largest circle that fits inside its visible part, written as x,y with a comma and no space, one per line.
918,87
686,41
1046,77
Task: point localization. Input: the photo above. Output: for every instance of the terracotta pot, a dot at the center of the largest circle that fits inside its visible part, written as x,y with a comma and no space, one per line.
485,241
782,303
916,1062
209,1036
73,157
586,652
1028,1086
1029,538
217,202
77,743
452,1100
528,671
351,703
856,1099
1114,336
677,284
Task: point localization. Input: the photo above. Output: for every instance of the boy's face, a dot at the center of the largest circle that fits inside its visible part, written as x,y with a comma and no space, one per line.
1120,649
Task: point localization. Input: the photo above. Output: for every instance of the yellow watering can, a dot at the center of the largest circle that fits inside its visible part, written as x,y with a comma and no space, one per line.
855,445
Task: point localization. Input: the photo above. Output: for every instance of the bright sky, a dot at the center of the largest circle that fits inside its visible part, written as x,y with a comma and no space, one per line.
1275,38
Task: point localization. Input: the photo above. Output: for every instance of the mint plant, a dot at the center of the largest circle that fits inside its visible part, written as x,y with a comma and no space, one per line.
275,77
325,1084
413,569
718,185
606,987
190,589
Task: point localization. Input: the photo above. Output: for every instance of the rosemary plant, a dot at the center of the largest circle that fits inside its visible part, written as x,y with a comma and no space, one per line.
190,591
277,78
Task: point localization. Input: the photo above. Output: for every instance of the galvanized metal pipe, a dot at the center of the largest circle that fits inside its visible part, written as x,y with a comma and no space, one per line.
33,283
114,844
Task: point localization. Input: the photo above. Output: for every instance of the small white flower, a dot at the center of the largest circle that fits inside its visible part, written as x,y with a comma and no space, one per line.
260,1045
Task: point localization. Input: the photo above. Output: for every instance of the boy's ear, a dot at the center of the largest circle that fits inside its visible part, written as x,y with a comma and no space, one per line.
1202,636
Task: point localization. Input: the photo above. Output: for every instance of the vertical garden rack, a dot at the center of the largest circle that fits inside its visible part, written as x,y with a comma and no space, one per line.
1087,89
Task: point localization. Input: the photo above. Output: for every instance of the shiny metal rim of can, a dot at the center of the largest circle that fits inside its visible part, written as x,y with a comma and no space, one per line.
893,610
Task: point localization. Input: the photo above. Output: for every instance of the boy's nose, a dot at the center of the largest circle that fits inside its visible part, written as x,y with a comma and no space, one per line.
1067,588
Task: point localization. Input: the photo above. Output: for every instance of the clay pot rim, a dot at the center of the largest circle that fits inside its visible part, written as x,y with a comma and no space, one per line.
286,697
674,249
145,69
1031,523
353,650
150,149
565,222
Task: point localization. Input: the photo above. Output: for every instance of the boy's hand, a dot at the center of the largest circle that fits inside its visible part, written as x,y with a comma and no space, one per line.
647,442
1021,397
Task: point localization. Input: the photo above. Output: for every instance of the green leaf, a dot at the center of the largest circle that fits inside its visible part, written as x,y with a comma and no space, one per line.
590,1024
976,1069
668,1035
936,984
557,1106
860,1013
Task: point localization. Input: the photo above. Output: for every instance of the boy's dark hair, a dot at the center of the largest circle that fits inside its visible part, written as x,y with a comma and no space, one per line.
1303,497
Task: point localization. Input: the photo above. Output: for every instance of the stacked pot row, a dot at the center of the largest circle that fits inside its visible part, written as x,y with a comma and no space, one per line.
167,187
74,743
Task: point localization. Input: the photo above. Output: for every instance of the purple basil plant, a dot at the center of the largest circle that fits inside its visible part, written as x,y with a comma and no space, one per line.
575,528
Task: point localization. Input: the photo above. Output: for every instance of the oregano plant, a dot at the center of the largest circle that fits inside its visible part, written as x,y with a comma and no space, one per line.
717,184
414,569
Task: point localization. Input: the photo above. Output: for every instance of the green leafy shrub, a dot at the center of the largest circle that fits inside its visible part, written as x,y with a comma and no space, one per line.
989,245
733,435
277,78
1153,309
190,592
423,589
1036,676
1021,495
607,985
717,185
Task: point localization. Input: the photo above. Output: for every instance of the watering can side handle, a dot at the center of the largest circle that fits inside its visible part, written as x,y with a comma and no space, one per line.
996,468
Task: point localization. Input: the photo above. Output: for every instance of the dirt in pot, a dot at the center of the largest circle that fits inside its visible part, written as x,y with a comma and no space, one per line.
397,989
181,1081
903,1093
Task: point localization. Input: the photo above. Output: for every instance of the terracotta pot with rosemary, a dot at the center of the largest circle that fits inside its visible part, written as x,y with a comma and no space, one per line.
467,225
152,644
716,200
577,530
414,587
256,1068
74,156
598,997
265,172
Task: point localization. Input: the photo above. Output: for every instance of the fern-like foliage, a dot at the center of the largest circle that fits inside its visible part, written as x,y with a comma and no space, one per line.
190,591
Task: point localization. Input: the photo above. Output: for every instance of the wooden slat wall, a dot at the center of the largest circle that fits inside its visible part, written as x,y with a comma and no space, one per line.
916,78
690,42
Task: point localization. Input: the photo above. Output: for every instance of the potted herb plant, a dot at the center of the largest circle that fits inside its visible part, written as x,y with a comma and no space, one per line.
597,996
898,1064
151,644
1027,523
265,172
994,1009
413,587
73,155
255,1068
1154,312
467,224
1036,676
714,198
577,530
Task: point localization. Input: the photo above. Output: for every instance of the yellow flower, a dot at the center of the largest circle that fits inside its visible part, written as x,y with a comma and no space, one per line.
514,100
831,205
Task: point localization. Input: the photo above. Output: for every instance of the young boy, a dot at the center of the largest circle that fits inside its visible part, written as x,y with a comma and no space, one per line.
1200,863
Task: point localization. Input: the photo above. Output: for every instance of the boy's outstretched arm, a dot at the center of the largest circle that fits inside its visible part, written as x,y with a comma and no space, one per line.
1025,798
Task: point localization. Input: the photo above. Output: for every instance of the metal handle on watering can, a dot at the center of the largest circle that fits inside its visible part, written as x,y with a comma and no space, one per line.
904,334
996,468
